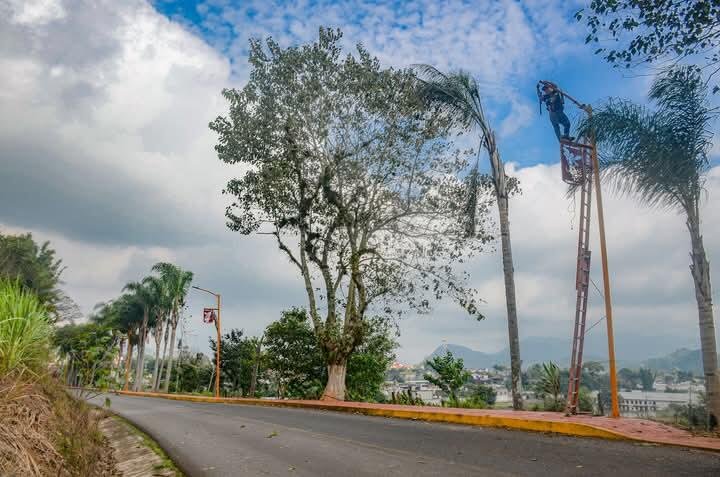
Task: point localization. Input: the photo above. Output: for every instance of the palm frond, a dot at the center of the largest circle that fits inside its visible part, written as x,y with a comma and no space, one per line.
658,156
455,94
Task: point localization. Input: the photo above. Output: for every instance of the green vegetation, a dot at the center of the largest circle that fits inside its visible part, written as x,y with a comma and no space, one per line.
357,182
549,387
660,30
43,430
25,330
37,270
449,375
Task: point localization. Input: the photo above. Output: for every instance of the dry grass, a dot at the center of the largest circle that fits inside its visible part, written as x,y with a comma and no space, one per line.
43,431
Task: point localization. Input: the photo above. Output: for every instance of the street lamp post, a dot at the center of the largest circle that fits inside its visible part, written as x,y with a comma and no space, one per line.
219,341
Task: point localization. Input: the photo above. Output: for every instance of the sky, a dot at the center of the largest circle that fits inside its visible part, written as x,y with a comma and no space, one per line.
105,152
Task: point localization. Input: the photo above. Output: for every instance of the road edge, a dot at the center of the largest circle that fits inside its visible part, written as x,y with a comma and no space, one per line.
181,469
556,427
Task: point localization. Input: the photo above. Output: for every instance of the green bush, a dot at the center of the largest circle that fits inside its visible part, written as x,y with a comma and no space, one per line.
484,393
25,330
472,403
585,400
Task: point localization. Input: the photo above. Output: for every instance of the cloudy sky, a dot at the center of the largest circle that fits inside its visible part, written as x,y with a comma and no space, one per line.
105,151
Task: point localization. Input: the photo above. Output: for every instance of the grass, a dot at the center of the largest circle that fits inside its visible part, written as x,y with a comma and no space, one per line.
25,330
44,431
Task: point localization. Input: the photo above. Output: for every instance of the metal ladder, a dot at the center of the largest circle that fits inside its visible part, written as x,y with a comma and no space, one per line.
582,277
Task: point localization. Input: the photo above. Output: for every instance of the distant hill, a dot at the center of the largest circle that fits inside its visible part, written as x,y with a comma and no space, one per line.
632,351
533,350
683,359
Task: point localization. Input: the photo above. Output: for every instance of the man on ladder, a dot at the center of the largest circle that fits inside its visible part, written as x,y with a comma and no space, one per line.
551,95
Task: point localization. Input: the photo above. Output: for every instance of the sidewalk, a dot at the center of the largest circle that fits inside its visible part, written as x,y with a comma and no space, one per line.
588,426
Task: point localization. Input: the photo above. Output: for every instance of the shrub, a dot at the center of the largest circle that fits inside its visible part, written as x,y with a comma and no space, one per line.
25,330
484,393
585,400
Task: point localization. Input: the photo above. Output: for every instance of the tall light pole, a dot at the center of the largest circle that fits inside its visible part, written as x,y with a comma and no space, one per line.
219,341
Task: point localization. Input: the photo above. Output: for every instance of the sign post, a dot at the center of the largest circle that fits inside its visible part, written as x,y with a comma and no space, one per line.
212,315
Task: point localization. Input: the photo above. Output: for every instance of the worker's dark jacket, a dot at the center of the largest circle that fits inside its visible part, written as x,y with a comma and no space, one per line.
554,101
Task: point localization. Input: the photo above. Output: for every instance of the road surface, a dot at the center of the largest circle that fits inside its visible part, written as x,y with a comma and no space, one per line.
239,440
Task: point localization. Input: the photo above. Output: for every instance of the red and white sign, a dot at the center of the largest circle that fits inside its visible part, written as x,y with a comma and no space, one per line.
209,315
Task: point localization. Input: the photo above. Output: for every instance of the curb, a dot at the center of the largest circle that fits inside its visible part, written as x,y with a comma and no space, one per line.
556,427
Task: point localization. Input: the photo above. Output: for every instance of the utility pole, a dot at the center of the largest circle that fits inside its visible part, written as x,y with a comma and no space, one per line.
604,260
219,340
606,276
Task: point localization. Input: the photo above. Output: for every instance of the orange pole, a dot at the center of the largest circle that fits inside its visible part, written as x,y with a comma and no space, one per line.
606,279
217,354
219,340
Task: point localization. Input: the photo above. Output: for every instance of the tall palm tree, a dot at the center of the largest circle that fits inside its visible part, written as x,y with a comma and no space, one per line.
177,282
458,95
145,297
160,311
130,315
661,157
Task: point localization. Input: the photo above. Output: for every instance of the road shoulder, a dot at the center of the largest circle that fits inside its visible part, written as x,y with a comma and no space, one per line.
135,452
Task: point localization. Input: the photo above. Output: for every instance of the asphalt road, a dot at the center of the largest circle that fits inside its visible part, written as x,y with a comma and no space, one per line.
238,440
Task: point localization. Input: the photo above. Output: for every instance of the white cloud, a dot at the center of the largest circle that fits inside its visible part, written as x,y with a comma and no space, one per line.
35,12
105,151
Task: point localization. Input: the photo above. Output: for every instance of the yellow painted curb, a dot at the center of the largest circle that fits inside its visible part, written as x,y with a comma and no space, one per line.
556,427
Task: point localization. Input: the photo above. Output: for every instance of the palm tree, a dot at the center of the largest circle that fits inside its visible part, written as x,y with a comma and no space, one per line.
549,384
144,295
661,158
177,282
160,310
458,95
130,316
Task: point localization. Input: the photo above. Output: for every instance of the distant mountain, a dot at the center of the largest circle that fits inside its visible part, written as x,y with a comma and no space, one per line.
631,351
683,359
533,350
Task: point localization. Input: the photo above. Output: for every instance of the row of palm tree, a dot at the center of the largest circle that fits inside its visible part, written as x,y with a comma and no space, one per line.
150,307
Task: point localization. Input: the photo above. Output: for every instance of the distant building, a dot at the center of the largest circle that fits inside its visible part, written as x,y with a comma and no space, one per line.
421,388
648,403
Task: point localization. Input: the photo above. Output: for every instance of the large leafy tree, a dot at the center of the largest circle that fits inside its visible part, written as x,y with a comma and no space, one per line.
356,182
176,283
657,30
457,95
236,360
660,157
292,356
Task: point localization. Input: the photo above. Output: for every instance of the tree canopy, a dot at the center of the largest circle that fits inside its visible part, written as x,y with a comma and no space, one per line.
355,179
647,31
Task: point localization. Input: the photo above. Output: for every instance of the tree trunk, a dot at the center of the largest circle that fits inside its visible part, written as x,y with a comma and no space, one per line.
256,365
335,388
700,269
509,274
128,362
140,365
155,375
168,370
164,355
117,364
